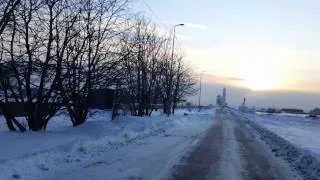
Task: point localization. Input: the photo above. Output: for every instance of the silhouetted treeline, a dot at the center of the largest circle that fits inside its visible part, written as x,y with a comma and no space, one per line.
59,52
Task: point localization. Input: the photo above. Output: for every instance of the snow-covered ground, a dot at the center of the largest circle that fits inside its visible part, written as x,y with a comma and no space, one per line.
300,131
292,138
116,145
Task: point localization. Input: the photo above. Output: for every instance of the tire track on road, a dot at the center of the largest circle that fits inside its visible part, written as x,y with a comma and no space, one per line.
229,151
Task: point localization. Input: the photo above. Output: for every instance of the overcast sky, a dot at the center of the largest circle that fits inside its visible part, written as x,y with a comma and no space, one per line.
267,50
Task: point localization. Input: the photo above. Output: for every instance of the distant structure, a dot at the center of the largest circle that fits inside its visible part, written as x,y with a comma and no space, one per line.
221,100
292,111
244,102
315,112
244,108
224,95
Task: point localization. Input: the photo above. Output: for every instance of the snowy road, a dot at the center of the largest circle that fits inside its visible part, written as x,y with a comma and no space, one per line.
149,158
221,149
230,151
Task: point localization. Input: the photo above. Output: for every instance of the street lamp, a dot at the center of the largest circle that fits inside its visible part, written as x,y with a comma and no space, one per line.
174,35
172,55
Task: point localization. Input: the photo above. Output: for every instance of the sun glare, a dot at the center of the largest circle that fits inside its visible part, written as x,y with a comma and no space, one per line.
260,78
262,81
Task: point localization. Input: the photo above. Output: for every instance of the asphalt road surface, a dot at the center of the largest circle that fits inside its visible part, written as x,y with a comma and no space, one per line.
229,151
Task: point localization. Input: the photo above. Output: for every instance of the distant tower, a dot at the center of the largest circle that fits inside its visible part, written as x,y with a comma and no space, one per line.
219,101
244,102
224,95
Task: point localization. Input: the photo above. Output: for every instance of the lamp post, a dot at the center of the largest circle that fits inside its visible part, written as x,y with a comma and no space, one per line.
174,35
172,55
200,90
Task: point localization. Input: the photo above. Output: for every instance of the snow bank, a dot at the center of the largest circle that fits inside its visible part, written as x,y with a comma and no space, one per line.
32,155
300,131
304,161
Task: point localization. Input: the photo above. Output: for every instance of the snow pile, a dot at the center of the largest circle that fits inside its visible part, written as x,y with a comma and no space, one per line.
305,162
32,155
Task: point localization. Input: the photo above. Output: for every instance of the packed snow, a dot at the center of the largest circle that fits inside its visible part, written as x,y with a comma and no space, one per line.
100,142
292,138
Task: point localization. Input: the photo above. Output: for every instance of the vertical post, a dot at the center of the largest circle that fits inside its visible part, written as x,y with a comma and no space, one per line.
200,92
171,66
173,37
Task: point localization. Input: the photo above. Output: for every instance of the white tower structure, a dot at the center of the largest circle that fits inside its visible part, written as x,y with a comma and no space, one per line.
221,99
224,95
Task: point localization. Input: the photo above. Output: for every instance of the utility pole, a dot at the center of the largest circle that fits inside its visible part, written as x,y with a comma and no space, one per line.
172,56
200,91
173,37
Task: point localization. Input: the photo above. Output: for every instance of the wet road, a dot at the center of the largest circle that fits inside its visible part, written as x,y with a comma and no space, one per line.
229,151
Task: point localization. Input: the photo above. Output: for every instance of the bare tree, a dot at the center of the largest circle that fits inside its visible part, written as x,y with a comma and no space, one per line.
57,53
32,48
174,80
141,47
184,83
6,12
91,58
7,8
150,76
165,79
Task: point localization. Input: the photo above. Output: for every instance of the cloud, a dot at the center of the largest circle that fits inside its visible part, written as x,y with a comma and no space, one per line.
187,38
191,25
197,26
217,79
235,79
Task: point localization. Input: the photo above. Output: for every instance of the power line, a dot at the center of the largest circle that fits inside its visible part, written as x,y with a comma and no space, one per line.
169,30
155,14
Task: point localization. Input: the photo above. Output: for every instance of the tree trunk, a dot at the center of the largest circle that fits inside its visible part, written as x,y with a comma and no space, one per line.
9,123
21,128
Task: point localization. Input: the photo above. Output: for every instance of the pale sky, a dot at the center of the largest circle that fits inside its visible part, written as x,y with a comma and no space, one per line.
268,50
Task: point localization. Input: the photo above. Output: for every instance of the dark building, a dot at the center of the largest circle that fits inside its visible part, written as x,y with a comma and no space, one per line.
101,99
292,111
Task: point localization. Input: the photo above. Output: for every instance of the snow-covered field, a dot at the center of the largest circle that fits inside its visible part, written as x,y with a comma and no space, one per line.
294,139
300,131
100,142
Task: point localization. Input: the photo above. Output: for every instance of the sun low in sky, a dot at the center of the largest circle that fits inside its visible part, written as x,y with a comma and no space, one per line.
262,67
269,45
250,66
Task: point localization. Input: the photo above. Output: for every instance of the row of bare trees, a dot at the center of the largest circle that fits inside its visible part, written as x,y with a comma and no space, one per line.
56,53
151,75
